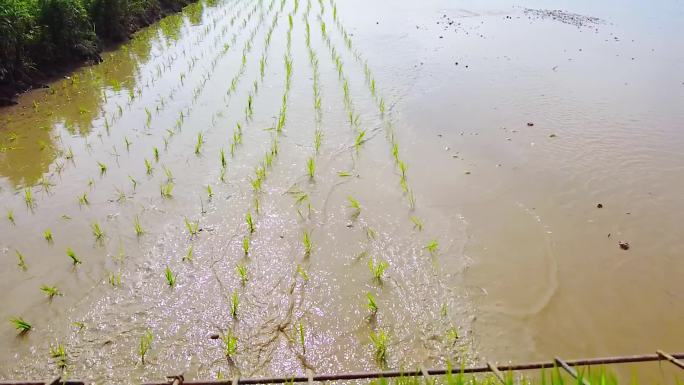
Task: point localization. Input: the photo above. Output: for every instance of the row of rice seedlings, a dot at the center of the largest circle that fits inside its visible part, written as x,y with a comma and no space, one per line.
379,339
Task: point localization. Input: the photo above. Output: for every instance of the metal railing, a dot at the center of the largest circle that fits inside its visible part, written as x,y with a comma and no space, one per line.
675,359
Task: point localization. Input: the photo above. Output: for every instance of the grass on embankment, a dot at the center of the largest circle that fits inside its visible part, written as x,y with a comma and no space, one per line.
43,38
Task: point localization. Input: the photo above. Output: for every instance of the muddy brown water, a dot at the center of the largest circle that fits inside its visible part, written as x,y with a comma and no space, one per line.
527,266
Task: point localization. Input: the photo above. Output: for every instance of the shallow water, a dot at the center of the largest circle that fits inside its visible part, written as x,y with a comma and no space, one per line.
527,266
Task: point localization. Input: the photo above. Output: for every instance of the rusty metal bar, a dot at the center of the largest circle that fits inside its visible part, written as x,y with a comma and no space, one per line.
669,357
570,370
675,357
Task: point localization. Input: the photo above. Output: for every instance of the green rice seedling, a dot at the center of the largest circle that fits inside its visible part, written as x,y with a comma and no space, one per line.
306,242
381,107
193,227
10,217
452,336
115,279
372,305
377,269
47,234
148,167
155,153
359,139
72,255
79,325
137,227
21,325
311,167
417,223
372,86
28,198
210,193
103,168
198,145
83,199
411,199
148,119
245,245
166,190
250,222
444,310
224,162
69,154
344,174
230,344
302,336
354,204
189,254
402,168
234,303
22,261
222,175
133,182
379,341
318,138
249,111
170,277
242,273
127,143
168,173
50,291
302,273
58,353
432,246
97,231
145,345
371,233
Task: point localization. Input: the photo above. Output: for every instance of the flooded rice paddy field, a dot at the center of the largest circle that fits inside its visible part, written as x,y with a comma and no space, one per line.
314,180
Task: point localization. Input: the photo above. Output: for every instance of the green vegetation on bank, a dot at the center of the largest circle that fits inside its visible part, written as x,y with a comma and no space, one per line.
40,37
